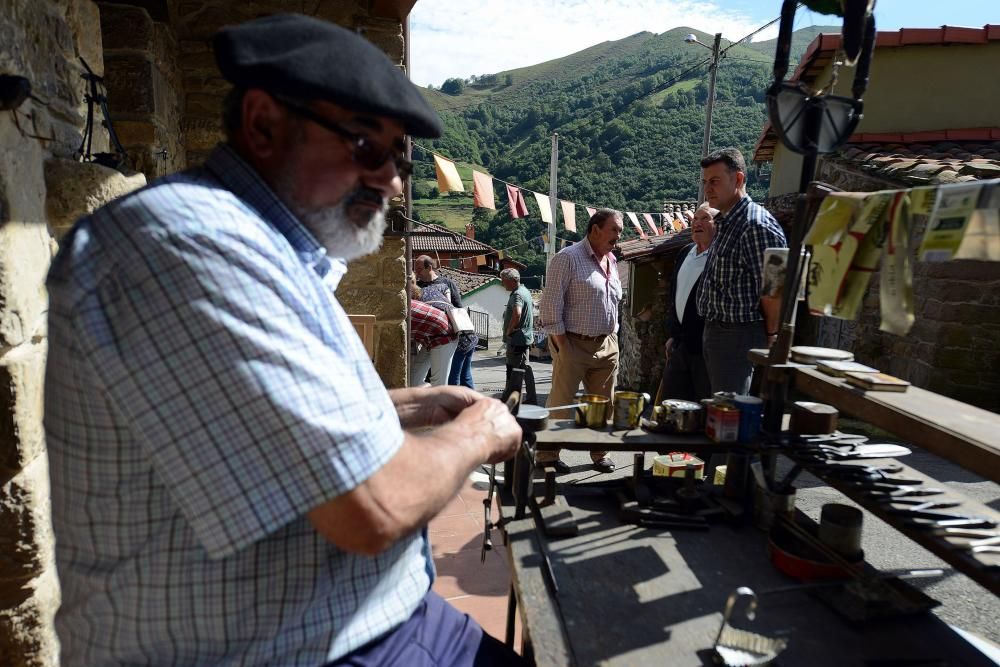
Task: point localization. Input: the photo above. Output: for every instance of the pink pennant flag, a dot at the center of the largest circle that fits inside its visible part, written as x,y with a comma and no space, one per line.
569,215
635,223
518,209
482,190
590,212
652,225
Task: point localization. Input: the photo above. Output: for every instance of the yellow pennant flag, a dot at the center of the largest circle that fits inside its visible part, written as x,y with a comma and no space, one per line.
482,190
544,206
569,215
501,253
447,175
545,239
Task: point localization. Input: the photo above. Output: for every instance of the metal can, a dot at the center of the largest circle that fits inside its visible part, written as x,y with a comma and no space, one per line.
723,423
751,413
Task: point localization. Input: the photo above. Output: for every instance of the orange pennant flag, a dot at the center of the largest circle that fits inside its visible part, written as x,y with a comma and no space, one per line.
447,175
635,223
482,190
652,225
480,260
569,215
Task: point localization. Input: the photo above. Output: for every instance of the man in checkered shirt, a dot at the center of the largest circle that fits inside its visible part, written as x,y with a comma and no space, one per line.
736,318
231,482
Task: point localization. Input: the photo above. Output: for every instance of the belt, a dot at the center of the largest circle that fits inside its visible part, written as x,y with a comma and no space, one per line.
573,334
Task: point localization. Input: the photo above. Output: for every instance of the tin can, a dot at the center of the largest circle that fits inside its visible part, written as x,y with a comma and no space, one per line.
751,413
723,423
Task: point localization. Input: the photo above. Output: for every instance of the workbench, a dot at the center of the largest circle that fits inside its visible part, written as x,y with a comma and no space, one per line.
618,594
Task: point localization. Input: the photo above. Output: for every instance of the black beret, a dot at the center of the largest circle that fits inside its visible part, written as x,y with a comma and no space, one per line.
309,59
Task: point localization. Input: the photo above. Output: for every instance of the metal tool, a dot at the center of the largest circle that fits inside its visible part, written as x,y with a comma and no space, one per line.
740,647
919,506
512,402
901,492
968,522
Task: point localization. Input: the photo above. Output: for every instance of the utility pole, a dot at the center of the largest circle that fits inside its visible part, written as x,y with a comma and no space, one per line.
712,71
550,247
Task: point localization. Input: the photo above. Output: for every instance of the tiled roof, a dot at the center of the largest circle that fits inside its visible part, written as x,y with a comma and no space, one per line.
430,238
468,282
922,161
653,245
824,47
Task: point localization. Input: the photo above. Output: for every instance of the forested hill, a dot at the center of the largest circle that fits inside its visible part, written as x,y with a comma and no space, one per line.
630,116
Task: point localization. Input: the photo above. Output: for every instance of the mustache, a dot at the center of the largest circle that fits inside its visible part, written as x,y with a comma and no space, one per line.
365,195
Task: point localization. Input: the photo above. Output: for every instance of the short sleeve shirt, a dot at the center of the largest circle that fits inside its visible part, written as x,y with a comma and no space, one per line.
204,392
524,333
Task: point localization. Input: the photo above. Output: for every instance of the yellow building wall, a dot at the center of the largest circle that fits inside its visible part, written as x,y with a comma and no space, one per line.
914,89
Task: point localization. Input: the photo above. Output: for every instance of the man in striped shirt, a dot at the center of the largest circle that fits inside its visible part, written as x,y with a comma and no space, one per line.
736,318
579,310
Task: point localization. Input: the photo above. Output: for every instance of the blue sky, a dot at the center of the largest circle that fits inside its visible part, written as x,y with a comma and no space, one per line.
460,38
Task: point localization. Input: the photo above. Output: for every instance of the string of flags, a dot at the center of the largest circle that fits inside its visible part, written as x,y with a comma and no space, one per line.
483,196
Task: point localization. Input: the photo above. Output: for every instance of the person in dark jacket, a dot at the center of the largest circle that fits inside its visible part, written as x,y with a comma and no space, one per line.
685,375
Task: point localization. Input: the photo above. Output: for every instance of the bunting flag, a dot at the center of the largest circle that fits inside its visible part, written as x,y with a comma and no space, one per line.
569,215
480,260
678,222
545,239
518,209
482,190
544,206
590,212
635,223
447,175
652,225
501,254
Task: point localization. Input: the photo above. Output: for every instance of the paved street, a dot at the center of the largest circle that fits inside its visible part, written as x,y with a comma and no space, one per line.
964,603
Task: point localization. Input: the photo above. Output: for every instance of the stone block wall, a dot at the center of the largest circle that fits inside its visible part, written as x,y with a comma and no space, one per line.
641,341
144,88
954,346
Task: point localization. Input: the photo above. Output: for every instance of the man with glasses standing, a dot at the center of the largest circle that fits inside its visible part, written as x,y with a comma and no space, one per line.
729,298
231,482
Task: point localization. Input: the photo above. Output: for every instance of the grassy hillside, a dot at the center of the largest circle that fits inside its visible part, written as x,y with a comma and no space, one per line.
630,116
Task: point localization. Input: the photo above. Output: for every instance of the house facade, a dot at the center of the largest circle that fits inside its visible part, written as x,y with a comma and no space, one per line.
458,251
943,129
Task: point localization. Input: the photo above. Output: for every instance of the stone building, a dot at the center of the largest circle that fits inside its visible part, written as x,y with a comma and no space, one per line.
164,96
943,131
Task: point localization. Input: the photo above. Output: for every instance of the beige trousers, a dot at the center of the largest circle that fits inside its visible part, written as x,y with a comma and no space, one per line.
595,363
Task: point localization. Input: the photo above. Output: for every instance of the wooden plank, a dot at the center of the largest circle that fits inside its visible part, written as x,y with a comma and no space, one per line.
984,569
956,431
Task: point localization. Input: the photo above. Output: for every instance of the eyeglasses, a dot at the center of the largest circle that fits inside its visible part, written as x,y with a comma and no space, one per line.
364,151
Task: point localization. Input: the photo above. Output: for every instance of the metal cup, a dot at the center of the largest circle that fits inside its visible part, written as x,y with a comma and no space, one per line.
595,413
628,408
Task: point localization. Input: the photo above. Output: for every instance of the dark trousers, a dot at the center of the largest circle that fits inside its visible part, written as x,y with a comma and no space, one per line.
517,357
685,376
725,346
436,635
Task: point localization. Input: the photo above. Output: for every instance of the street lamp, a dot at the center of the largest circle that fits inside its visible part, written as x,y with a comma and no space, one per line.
712,70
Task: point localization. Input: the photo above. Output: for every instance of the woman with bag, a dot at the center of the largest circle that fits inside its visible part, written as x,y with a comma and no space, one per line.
441,292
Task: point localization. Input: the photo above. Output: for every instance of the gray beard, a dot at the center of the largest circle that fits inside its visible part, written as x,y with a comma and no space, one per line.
341,237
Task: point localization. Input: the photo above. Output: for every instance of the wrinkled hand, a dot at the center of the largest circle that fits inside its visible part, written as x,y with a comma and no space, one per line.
430,406
491,421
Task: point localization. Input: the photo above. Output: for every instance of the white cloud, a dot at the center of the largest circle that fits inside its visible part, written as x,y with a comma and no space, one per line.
458,38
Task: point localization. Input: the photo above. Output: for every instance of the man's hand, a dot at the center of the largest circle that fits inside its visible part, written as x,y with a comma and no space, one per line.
496,428
557,341
669,345
429,406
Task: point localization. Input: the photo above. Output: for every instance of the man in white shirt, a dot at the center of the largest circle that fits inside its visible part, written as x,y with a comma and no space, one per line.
685,375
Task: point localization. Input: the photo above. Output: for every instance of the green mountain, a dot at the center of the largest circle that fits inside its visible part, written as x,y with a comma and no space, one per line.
630,117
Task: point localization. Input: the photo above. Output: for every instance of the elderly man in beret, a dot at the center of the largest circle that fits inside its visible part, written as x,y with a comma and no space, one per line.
231,482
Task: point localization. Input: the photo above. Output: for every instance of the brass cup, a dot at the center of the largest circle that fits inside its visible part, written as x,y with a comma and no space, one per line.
595,413
628,409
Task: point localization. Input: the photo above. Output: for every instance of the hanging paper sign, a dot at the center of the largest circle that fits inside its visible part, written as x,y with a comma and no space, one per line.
482,190
652,225
946,228
544,206
447,175
896,280
569,215
982,238
635,223
518,209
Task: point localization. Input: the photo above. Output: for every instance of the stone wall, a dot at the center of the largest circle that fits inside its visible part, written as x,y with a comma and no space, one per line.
954,346
641,340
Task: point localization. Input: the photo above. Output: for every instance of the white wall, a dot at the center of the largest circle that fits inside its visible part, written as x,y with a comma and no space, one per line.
493,300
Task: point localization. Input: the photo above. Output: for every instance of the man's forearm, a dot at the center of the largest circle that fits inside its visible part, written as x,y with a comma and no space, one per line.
770,307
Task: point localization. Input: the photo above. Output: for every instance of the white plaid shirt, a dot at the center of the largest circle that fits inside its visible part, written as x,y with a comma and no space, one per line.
579,296
204,391
731,283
